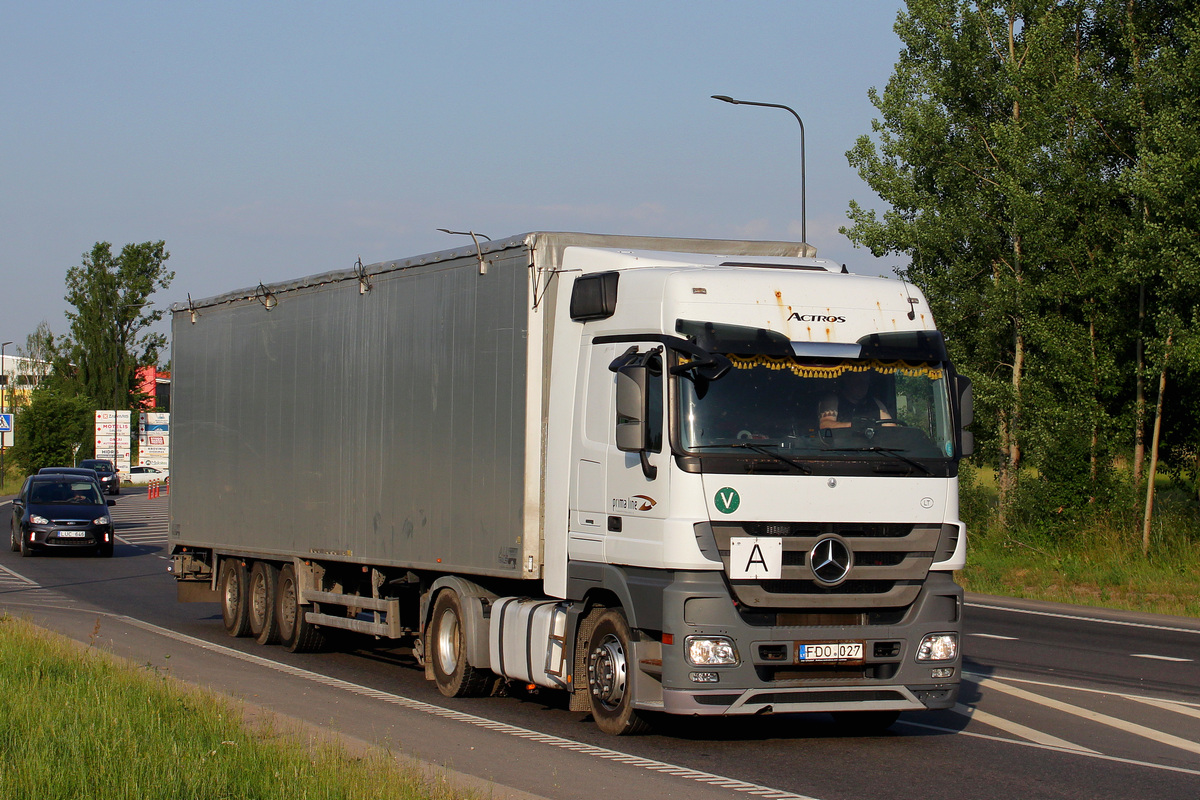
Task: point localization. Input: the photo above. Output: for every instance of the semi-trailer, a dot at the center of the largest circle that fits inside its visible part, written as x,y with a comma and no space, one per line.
683,476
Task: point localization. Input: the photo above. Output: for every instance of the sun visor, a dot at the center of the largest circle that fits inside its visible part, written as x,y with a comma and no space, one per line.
826,349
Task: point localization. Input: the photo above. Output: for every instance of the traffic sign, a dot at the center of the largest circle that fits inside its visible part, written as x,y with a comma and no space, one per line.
6,423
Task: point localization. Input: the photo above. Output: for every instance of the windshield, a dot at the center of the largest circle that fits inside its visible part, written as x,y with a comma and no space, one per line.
80,492
805,408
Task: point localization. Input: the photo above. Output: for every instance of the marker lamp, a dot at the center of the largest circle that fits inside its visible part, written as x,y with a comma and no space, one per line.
711,651
938,647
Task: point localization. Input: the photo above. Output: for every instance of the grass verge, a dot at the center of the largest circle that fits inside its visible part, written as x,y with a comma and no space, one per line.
1091,559
77,723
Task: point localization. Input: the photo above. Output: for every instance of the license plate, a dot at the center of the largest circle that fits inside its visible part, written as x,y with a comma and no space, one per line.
72,534
808,652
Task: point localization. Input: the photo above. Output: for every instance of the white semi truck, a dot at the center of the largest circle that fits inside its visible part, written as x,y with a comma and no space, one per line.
625,468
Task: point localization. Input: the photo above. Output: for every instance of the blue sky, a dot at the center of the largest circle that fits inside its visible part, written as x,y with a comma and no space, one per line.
265,141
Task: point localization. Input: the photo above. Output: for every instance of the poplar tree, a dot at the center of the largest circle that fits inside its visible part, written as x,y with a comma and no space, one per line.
109,337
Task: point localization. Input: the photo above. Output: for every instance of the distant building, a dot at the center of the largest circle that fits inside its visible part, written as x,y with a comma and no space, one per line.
156,385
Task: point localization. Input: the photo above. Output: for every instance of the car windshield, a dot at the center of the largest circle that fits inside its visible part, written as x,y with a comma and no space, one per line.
65,492
819,408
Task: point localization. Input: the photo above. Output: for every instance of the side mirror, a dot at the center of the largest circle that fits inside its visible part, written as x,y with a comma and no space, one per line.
631,408
633,411
110,503
966,413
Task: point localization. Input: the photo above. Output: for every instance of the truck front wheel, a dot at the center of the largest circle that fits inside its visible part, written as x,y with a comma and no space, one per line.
610,682
446,647
264,580
235,606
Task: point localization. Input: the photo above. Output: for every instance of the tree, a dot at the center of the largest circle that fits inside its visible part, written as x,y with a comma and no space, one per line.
1040,160
50,428
108,338
991,153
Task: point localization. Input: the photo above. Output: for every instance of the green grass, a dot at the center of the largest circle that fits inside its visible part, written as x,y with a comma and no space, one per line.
77,723
1093,558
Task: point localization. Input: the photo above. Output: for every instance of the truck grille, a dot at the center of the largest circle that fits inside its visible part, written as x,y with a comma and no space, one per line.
890,562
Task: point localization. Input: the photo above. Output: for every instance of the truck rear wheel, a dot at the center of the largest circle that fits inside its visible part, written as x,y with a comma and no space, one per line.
235,605
446,648
296,633
610,681
264,578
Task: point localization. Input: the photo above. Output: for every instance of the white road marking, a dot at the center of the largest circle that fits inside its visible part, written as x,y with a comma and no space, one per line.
1095,716
482,722
994,636
1038,746
1079,618
1160,658
1017,729
1168,705
1083,689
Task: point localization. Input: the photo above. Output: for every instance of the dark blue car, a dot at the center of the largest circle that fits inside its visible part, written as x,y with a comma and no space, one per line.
61,512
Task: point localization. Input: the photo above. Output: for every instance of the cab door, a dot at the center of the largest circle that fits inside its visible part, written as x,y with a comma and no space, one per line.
637,482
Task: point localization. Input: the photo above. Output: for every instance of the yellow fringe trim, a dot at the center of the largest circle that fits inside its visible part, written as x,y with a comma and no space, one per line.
811,371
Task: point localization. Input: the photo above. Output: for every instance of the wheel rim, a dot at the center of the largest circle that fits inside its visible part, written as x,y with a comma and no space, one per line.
258,601
231,596
606,672
287,599
447,641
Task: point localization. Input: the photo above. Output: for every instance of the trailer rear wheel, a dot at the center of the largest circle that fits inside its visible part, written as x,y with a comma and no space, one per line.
296,633
610,682
235,604
446,647
264,580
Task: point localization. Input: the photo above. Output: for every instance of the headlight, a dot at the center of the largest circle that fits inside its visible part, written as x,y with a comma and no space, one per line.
709,651
34,519
101,521
938,647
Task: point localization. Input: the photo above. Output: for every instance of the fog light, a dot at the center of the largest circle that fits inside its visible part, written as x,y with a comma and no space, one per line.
938,647
709,651
705,677
943,672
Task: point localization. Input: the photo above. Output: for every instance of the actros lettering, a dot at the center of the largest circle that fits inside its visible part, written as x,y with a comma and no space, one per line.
814,317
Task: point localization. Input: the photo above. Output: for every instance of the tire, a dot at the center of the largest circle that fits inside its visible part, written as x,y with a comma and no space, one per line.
610,678
24,546
446,649
14,541
105,550
235,597
864,723
296,633
264,578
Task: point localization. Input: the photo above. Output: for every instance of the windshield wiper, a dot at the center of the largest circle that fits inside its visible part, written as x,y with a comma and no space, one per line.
891,451
758,448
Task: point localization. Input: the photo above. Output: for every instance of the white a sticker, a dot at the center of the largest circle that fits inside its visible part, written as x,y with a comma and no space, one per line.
755,557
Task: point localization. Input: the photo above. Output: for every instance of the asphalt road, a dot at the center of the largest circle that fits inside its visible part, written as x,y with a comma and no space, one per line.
1059,702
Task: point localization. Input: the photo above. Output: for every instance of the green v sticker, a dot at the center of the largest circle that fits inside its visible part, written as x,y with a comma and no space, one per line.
727,500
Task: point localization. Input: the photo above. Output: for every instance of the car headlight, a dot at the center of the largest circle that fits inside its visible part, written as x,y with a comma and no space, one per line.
710,651
34,519
938,647
101,521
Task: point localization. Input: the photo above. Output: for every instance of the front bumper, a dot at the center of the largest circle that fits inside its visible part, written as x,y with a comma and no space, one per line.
68,537
770,679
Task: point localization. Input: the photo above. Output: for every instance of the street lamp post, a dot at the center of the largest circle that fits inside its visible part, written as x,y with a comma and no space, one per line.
3,385
803,209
